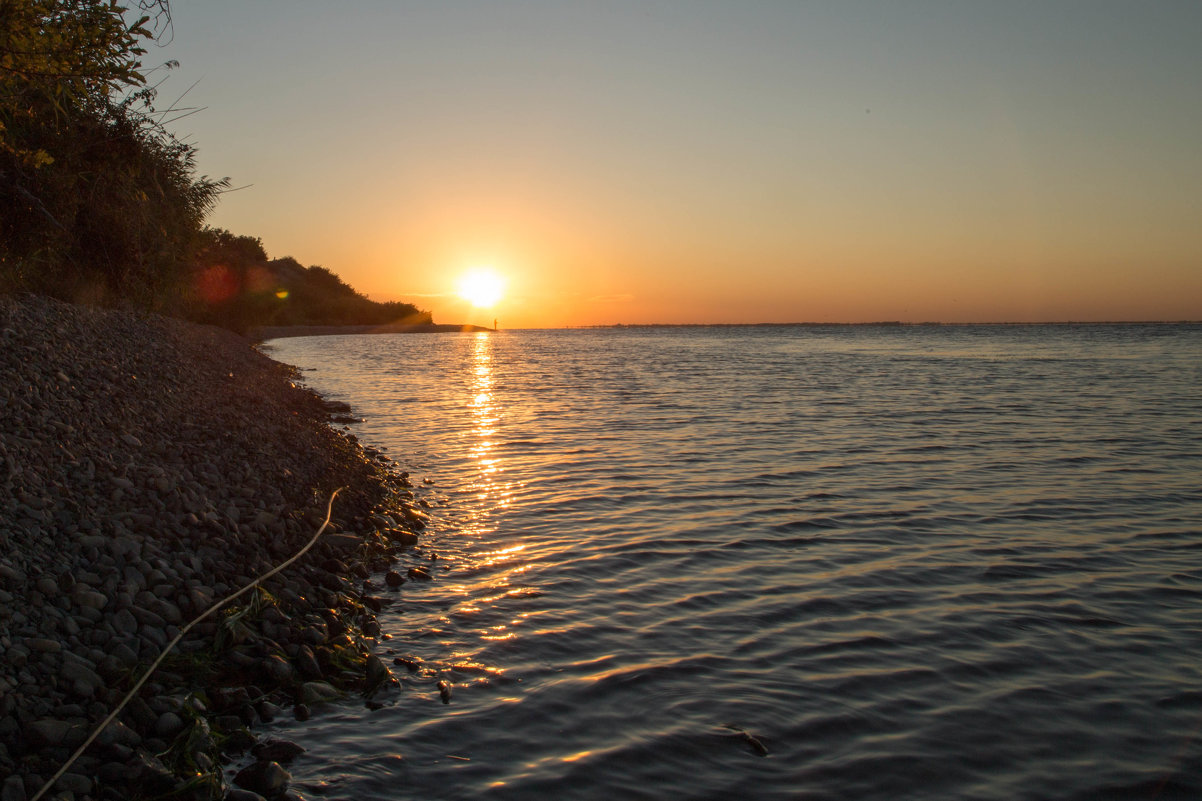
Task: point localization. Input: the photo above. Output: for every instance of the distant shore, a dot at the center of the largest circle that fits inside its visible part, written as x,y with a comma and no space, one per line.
266,332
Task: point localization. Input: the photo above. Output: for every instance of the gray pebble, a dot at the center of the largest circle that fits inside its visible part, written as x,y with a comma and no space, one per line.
168,725
13,789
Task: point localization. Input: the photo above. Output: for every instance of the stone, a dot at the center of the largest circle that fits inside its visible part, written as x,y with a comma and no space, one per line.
148,774
268,711
84,680
168,725
404,538
90,599
227,698
306,663
313,692
377,672
48,733
277,750
238,740
124,622
74,783
393,579
13,789
148,618
124,653
277,668
120,734
240,794
124,547
17,655
264,778
343,543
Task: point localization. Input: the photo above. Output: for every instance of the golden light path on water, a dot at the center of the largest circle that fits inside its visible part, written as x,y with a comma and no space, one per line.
490,494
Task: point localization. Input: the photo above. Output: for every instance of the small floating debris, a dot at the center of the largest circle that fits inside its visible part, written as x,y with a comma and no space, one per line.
460,758
757,747
444,691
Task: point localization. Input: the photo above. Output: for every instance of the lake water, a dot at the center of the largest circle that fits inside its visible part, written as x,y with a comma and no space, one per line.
936,562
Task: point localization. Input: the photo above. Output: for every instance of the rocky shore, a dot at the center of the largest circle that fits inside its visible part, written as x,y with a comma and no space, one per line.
149,468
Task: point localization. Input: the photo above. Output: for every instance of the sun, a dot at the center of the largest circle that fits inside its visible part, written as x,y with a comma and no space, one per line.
481,287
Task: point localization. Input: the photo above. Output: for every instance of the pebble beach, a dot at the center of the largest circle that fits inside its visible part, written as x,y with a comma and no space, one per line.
148,469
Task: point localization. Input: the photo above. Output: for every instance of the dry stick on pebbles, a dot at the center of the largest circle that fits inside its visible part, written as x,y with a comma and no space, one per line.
175,641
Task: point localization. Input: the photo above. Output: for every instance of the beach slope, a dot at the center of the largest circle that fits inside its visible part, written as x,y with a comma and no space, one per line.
148,468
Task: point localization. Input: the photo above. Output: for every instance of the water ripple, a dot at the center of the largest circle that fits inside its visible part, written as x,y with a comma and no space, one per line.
802,563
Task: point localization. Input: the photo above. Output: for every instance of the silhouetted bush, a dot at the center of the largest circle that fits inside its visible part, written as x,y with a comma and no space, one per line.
98,201
235,286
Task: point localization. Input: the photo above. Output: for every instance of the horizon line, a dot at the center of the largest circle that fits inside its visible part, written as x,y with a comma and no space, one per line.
892,323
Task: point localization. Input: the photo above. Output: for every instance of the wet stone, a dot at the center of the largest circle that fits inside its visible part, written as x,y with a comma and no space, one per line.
268,711
240,794
306,663
266,778
277,750
238,741
313,692
148,772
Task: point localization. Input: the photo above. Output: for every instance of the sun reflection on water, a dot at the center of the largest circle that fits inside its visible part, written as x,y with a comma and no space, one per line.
488,580
490,493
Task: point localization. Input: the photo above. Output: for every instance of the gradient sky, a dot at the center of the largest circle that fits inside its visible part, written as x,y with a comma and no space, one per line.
697,161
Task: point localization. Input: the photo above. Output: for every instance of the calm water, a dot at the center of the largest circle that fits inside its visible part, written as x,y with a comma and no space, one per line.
915,562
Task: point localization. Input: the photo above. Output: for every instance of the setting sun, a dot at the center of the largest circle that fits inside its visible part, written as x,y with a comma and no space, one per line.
481,287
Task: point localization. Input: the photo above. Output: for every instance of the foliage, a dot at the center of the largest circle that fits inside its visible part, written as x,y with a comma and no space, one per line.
237,287
55,54
98,201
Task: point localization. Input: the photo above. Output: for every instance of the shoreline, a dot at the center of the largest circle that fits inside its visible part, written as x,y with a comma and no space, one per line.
266,332
150,467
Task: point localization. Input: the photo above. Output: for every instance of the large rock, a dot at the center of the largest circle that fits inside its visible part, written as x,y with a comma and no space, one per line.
49,733
315,692
264,778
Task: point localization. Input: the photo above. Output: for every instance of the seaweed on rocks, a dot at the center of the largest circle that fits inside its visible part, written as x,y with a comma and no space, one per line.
149,468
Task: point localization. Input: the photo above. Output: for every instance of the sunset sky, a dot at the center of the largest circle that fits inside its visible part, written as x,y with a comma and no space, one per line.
696,161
